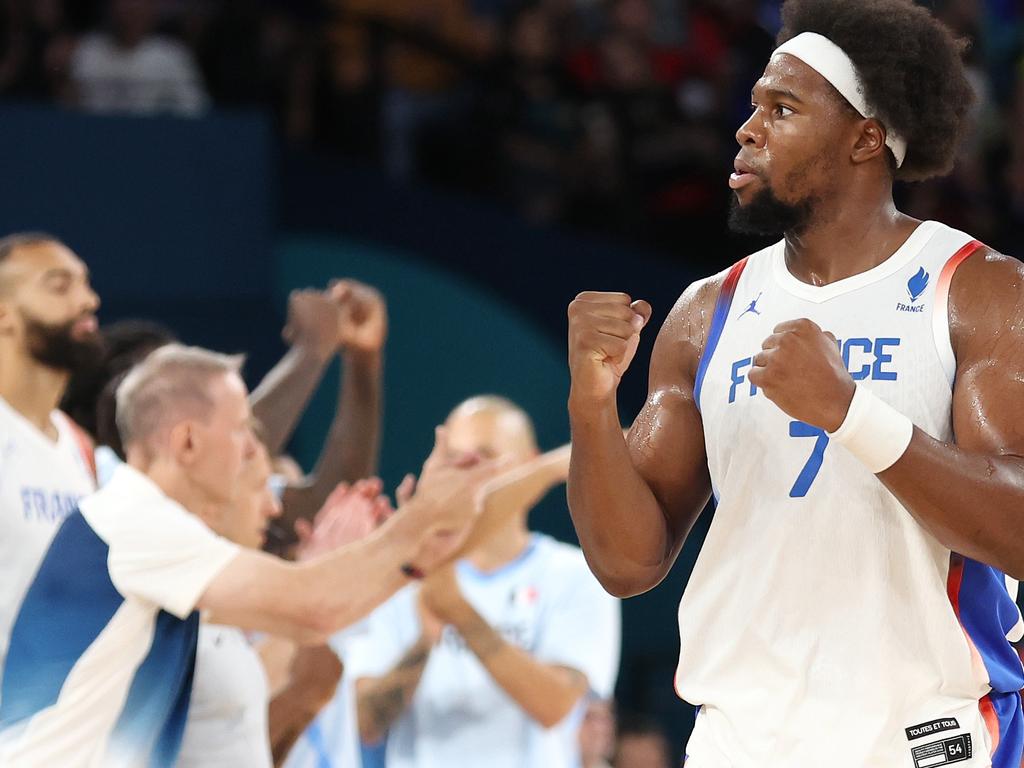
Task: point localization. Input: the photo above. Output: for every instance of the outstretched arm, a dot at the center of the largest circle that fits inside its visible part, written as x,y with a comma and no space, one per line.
977,509
634,500
311,600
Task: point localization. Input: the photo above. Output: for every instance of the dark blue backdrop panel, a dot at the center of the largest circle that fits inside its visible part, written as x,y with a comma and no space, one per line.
164,207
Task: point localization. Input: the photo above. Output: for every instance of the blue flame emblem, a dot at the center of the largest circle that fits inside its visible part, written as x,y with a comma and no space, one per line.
917,284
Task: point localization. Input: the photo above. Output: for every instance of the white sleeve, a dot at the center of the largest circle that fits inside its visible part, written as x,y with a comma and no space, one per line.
167,557
383,637
582,629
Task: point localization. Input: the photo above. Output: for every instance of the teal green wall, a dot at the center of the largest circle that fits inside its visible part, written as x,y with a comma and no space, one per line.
449,339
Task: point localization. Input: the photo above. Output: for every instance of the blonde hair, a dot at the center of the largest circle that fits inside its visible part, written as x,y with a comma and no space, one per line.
171,384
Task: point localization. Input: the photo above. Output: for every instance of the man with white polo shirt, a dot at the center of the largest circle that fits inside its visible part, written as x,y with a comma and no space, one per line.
489,661
47,331
102,654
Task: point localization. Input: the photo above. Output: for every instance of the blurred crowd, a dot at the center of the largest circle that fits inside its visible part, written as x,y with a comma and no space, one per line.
616,116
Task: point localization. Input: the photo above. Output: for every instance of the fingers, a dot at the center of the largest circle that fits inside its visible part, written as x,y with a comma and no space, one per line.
406,489
643,309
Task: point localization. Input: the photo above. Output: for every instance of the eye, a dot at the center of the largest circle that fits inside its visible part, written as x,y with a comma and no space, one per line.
781,110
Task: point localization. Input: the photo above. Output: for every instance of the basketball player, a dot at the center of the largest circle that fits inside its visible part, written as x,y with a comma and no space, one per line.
101,656
488,662
47,331
860,431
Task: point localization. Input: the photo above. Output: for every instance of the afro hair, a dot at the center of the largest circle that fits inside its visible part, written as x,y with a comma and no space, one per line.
910,67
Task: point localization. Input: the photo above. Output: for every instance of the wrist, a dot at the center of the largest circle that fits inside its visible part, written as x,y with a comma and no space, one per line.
873,431
363,358
583,407
309,350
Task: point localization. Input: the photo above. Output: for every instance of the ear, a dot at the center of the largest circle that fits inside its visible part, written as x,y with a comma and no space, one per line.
870,141
10,321
184,442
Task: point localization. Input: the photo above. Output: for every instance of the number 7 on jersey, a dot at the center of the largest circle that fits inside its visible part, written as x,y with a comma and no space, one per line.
813,465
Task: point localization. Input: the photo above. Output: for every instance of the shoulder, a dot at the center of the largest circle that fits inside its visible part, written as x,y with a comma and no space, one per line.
986,300
682,337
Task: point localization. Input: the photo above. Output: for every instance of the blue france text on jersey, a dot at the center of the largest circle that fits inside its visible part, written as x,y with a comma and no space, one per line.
47,506
864,358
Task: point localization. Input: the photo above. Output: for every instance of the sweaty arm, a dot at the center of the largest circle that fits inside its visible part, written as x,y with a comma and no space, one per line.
977,509
634,501
968,493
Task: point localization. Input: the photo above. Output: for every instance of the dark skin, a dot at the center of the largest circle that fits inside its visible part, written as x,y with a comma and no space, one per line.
634,501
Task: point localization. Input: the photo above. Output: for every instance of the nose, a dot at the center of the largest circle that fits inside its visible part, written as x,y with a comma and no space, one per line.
90,299
751,133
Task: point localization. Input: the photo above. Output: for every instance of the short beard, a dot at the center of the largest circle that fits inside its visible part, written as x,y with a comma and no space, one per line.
767,216
56,347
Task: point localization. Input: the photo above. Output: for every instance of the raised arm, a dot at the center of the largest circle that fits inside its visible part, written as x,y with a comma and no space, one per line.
634,500
282,395
969,493
351,449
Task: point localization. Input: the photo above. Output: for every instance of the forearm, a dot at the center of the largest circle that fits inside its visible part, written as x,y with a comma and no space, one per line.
545,692
282,395
346,585
296,706
351,450
974,508
620,524
380,701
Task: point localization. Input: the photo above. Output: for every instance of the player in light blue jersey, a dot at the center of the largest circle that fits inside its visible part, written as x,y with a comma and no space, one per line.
848,396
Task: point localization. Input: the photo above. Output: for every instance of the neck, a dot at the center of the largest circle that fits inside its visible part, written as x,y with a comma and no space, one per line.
861,233
504,546
177,486
33,390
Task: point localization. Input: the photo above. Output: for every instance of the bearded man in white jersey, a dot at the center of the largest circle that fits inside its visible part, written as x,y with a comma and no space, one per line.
47,331
851,605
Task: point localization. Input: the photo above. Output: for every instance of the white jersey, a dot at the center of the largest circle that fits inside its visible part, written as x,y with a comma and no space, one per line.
822,625
99,670
547,602
227,717
41,482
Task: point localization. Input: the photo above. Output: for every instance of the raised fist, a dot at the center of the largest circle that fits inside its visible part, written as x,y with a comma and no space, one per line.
313,321
604,331
363,324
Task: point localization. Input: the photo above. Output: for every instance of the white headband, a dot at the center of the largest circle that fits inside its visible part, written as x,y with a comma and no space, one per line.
831,62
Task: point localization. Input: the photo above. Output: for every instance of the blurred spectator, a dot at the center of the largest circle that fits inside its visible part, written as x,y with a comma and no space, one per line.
129,68
597,733
642,744
489,660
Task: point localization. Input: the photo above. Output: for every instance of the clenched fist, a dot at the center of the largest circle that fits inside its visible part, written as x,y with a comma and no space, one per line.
604,331
799,368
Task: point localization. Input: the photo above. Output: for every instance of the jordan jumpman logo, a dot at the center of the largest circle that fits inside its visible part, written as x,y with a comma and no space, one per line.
753,307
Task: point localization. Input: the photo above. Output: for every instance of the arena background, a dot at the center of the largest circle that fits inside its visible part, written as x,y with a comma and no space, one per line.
205,222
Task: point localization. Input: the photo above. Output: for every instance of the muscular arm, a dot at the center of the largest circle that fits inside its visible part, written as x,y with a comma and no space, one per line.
351,449
546,692
978,507
633,501
380,701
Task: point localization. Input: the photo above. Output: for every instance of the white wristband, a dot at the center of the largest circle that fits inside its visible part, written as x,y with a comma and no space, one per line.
873,431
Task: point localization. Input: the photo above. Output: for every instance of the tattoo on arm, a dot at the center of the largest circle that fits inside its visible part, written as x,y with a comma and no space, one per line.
384,702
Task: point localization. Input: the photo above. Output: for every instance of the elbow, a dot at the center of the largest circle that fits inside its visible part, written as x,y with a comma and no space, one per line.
623,582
